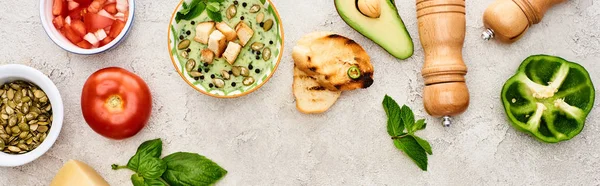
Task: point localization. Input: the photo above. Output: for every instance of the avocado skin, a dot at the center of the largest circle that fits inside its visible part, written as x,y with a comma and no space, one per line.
373,33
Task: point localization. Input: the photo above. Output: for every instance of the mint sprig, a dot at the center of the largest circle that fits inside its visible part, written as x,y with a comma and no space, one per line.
401,126
196,7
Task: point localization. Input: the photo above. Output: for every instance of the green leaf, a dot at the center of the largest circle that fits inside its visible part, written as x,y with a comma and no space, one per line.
147,150
394,122
412,149
426,146
184,168
218,1
152,168
153,182
215,16
194,11
408,118
213,7
419,125
139,180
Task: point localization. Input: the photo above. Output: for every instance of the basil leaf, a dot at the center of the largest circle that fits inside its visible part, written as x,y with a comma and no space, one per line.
412,149
419,125
148,149
426,146
215,16
219,1
213,7
195,11
408,118
184,168
395,127
137,180
153,182
152,168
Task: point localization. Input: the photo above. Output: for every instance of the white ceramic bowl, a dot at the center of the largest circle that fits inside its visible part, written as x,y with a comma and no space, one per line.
9,73
60,40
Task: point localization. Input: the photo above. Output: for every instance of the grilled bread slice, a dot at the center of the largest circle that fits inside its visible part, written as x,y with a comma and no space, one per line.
312,98
327,57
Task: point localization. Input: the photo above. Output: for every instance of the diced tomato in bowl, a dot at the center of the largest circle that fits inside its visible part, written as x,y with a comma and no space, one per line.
87,26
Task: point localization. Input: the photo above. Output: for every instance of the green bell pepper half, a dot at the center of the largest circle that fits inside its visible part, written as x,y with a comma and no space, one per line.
549,98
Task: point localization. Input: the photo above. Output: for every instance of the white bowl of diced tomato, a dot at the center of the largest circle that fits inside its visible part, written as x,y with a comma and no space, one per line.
87,26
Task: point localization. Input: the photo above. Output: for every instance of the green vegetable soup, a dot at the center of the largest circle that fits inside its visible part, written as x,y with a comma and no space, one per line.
257,57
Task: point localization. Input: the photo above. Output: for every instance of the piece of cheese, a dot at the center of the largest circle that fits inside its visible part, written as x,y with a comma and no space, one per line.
76,173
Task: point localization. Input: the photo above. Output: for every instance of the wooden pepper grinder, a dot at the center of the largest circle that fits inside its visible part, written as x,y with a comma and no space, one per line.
442,32
508,20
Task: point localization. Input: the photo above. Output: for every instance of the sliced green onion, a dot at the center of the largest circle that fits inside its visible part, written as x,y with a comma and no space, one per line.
354,72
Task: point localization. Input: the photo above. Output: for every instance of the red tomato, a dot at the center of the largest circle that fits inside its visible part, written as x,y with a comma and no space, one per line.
94,21
76,13
111,8
83,3
84,44
96,6
79,27
71,34
116,103
58,8
58,22
116,28
105,41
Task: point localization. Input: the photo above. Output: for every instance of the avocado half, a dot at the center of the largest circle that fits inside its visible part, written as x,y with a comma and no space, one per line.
388,31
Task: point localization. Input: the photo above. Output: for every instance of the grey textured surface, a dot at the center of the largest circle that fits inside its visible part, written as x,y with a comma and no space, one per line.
262,140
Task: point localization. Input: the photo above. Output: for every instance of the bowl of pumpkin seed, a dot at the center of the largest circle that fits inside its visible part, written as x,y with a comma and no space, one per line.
31,114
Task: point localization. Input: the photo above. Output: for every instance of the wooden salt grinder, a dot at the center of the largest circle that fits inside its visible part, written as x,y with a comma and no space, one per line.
442,32
508,20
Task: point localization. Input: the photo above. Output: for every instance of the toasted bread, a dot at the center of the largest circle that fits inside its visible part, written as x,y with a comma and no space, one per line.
312,98
327,57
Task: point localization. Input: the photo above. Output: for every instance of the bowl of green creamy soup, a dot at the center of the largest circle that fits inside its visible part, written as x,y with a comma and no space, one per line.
225,48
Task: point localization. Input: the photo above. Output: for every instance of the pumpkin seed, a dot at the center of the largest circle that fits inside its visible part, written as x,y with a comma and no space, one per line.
236,70
33,127
219,83
244,71
260,17
184,54
10,94
14,149
266,54
23,134
248,81
225,75
42,129
255,8
231,11
24,126
25,117
268,24
191,63
38,94
184,44
195,74
256,46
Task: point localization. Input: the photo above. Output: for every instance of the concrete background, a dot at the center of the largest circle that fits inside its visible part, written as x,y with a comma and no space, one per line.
261,139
